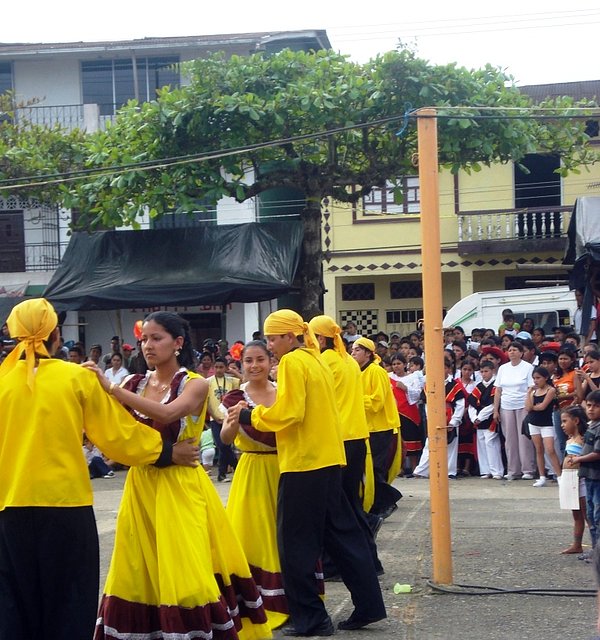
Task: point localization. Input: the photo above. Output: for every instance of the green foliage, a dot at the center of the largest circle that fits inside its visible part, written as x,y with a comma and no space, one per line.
32,150
236,102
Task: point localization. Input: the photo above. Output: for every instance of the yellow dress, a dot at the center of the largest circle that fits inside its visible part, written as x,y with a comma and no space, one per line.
252,510
178,569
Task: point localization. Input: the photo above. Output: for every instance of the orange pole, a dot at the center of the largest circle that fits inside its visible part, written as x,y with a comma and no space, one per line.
434,345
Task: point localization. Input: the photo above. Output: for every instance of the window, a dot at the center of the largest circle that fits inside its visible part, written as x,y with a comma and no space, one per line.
382,200
534,282
6,83
406,289
110,83
403,316
358,291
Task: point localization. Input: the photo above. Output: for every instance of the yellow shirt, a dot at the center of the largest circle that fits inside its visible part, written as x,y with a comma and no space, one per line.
217,388
304,415
41,433
380,406
348,394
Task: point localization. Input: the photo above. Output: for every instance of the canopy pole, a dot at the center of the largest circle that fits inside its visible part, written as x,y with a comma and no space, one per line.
434,346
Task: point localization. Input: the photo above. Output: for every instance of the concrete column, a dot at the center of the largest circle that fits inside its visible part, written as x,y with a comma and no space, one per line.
91,118
329,299
466,282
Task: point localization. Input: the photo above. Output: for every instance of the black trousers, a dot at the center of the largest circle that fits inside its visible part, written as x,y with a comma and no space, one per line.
49,573
226,456
385,494
352,477
313,514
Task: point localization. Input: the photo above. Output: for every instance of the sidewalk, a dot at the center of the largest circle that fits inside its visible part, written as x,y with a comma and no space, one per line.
504,534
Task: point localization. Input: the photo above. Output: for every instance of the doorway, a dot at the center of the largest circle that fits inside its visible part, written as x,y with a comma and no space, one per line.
203,326
538,188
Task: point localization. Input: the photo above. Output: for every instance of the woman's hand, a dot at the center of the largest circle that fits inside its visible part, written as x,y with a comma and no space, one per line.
233,413
92,366
186,453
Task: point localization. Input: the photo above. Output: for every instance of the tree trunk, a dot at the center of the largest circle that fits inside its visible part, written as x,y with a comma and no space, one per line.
311,277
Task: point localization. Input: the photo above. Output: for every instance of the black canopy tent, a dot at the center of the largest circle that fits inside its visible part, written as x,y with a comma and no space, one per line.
212,264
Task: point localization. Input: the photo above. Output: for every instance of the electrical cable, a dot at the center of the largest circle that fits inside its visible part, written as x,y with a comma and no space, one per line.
72,176
487,590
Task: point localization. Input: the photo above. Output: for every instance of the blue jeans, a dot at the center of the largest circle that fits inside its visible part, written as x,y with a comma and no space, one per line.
592,488
98,468
561,439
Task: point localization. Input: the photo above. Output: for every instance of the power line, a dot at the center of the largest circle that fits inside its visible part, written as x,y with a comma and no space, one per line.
530,113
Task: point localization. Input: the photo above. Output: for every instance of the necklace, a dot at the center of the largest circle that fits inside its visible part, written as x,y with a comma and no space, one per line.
156,384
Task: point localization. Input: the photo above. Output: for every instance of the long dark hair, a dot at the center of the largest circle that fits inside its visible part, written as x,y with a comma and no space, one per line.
577,411
176,326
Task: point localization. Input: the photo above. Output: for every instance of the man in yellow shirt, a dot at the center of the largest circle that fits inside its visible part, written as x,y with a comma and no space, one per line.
313,513
48,539
355,431
383,420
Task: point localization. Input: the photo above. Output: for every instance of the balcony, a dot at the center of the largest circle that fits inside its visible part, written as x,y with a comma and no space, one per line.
69,117
32,257
513,230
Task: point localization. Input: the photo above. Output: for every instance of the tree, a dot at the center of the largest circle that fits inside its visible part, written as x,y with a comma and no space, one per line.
295,97
30,154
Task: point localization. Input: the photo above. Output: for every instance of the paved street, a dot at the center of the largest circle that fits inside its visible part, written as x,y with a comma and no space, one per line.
504,535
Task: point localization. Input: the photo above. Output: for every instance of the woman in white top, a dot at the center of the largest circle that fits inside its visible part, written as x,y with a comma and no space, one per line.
116,372
513,381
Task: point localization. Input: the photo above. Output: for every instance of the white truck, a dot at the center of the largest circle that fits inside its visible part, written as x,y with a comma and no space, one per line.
547,306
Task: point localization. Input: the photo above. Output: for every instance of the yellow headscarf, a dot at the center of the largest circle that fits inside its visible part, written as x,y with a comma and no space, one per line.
288,321
327,327
30,322
369,345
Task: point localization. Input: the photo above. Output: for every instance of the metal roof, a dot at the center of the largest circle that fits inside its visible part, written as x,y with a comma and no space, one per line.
585,89
14,50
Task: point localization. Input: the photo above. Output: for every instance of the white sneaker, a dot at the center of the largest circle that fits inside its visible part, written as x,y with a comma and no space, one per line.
498,477
510,476
541,482
528,476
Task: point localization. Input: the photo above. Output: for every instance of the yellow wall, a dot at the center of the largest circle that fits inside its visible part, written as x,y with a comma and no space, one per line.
387,248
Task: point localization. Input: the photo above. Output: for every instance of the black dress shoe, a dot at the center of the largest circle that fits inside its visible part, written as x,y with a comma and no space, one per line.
324,629
356,623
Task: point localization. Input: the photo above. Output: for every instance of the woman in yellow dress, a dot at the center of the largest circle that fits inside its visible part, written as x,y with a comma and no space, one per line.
252,504
177,567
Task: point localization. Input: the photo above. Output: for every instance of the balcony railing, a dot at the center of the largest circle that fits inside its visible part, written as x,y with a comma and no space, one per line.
32,257
534,228
71,116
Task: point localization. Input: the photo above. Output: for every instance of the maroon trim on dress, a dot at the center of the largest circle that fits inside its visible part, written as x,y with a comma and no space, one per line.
169,432
220,620
230,399
269,581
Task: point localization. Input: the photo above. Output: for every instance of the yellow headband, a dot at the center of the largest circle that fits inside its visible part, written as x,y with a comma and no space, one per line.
369,345
327,327
288,321
31,322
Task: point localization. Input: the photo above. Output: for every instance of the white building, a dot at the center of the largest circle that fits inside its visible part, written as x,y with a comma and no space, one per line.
82,85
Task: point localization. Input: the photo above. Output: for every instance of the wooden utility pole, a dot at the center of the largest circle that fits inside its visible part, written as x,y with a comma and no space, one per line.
434,346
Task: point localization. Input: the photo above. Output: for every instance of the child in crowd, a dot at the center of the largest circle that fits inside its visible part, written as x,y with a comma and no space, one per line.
467,451
407,392
589,467
481,410
571,486
207,449
508,327
539,403
96,465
